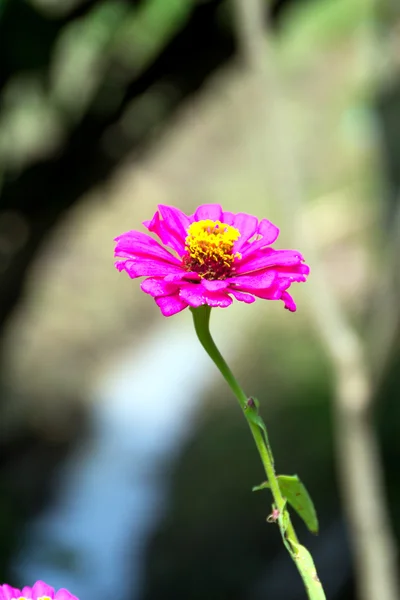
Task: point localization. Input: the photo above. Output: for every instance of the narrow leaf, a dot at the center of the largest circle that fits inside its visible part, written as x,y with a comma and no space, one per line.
298,497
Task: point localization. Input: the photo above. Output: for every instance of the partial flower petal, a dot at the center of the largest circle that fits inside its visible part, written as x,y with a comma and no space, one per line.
242,296
155,225
193,294
135,243
268,232
289,302
142,267
215,285
40,589
158,287
177,223
7,592
247,225
183,276
64,594
176,219
278,292
208,211
196,295
268,258
296,272
275,291
171,305
228,218
218,299
171,229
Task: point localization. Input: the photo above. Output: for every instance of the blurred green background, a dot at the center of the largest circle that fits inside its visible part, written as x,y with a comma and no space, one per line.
125,463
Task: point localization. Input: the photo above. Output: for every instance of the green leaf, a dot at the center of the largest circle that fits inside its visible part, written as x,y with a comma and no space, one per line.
298,498
308,572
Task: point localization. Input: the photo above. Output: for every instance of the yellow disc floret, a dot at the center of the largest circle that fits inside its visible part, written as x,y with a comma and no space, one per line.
209,248
24,598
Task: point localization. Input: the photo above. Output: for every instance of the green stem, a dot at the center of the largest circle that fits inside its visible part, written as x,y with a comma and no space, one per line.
201,318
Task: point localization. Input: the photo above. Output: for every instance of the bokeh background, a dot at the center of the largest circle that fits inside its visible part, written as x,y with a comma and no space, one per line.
126,467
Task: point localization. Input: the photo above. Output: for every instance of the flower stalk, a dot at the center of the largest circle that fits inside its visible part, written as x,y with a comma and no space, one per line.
301,557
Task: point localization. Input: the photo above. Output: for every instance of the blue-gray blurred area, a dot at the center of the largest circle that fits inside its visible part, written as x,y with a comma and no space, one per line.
126,466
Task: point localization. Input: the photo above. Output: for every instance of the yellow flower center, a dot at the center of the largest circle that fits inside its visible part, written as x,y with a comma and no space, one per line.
24,598
209,249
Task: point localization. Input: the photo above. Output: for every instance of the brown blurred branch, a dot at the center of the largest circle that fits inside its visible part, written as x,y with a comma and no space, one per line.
358,457
385,324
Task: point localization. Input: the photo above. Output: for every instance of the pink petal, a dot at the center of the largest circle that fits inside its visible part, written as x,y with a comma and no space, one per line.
283,283
135,243
289,302
177,223
183,276
40,589
64,594
269,233
193,294
158,287
7,592
172,228
176,219
196,295
247,225
241,296
218,299
228,218
214,285
268,258
155,225
170,305
295,273
292,277
275,291
142,267
208,211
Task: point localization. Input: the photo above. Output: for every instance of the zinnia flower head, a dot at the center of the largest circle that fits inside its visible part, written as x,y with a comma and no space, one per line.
209,258
39,591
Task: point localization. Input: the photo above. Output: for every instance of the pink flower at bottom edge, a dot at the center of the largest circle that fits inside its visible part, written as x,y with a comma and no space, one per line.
39,591
209,257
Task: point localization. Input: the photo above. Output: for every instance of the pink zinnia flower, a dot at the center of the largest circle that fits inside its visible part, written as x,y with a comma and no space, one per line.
40,591
209,257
